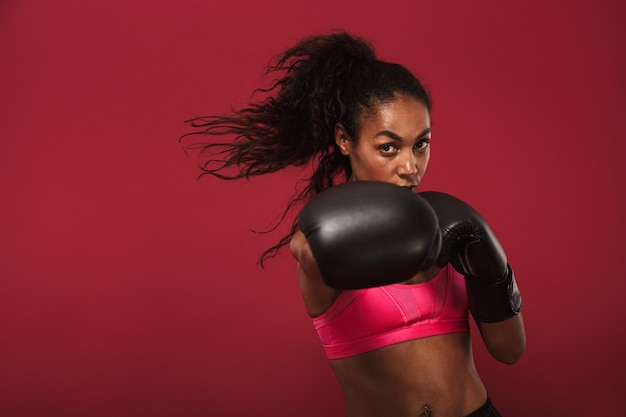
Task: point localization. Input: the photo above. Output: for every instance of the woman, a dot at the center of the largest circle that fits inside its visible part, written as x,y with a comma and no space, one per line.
366,122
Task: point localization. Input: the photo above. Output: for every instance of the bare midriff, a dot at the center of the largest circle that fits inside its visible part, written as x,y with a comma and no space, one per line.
433,376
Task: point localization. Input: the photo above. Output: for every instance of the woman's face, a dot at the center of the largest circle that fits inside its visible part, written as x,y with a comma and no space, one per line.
394,144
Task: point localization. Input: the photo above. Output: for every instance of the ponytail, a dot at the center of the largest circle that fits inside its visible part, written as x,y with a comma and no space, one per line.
321,81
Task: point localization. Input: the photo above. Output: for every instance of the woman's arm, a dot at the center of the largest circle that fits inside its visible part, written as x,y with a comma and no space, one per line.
316,294
302,253
493,296
505,340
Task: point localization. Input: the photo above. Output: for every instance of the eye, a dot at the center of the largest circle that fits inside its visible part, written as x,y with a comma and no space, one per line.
422,145
388,148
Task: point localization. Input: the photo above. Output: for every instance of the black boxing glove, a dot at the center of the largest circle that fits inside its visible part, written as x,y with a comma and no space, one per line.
474,251
366,234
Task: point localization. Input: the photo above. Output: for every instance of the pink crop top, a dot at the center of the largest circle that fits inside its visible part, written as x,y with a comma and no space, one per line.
360,321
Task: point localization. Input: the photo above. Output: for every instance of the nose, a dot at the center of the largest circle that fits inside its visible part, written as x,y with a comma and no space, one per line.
408,165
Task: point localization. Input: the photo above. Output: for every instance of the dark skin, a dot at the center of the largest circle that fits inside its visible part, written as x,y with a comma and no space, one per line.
433,376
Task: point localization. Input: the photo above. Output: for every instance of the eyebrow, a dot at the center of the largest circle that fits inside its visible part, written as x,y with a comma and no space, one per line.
394,136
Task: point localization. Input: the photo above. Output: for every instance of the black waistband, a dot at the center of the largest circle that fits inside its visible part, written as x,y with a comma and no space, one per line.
486,410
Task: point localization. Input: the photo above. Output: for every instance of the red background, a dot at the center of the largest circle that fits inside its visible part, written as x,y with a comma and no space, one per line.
129,288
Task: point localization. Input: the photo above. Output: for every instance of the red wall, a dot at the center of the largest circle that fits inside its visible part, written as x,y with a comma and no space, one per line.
128,288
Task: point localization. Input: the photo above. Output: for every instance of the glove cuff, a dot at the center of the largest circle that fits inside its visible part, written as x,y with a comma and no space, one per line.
491,302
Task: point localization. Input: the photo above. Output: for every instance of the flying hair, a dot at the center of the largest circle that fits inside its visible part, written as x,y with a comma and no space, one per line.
321,81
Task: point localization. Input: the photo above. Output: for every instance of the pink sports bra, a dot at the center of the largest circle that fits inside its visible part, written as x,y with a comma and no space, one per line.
360,321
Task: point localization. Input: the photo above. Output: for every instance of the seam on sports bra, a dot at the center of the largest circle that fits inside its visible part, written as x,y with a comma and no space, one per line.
449,290
399,306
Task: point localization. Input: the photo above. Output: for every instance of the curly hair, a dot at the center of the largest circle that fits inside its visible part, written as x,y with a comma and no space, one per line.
322,81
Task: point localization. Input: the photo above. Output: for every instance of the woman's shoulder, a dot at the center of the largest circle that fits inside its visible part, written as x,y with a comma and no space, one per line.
301,251
298,245
318,297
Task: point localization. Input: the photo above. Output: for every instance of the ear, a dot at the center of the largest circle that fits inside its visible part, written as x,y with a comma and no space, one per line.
342,140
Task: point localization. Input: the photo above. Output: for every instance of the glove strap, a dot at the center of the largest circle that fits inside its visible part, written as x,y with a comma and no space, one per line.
491,302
